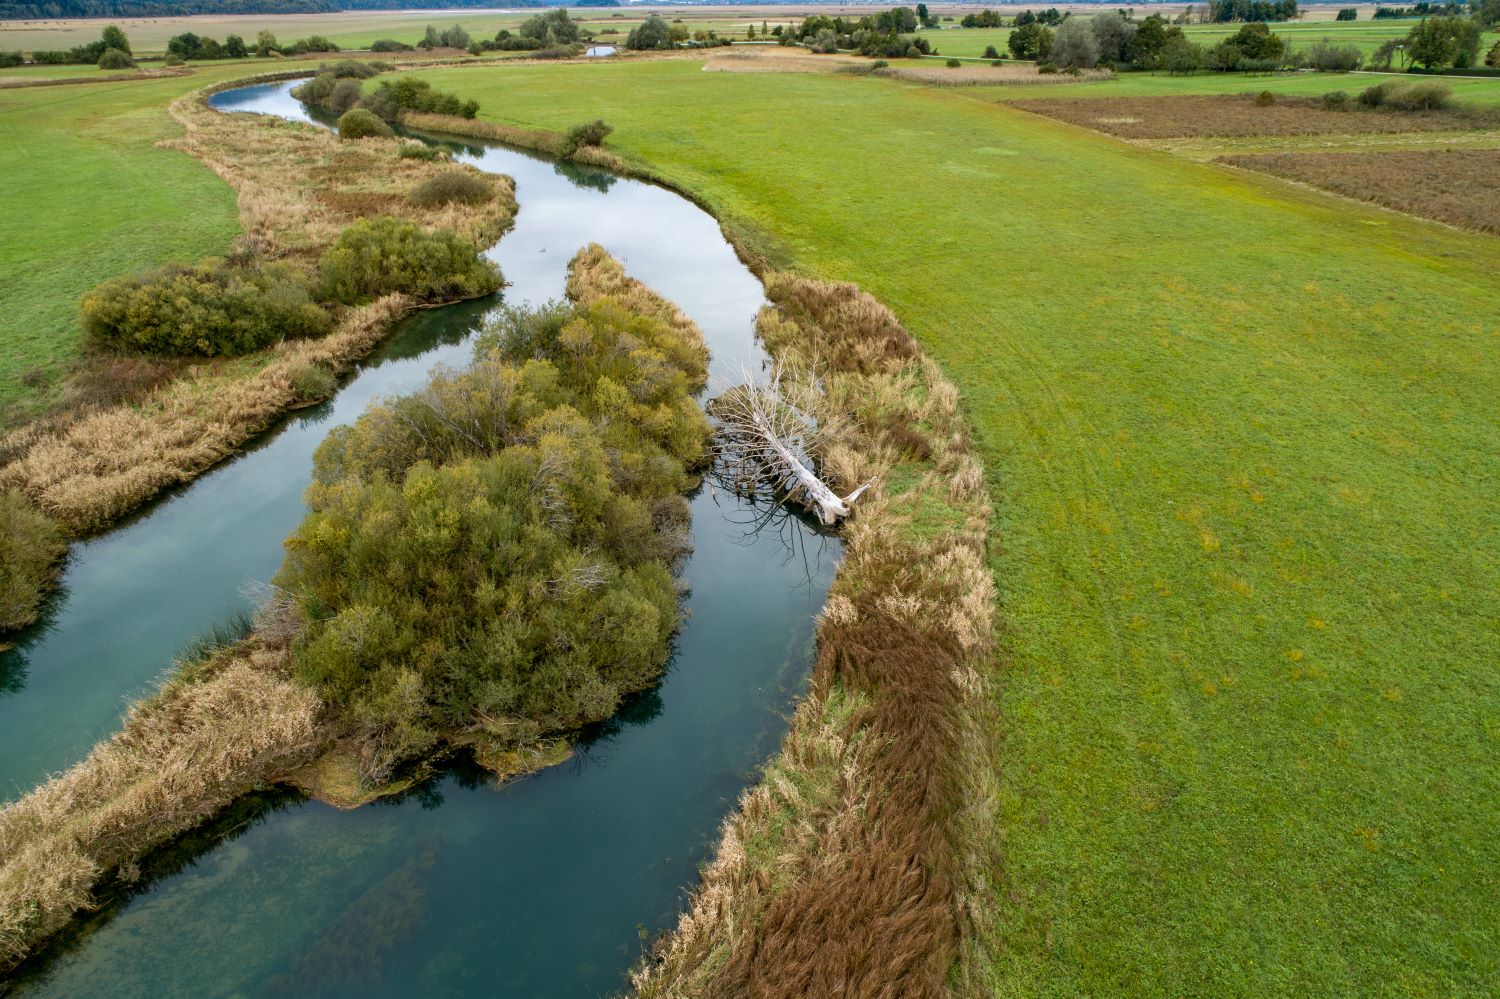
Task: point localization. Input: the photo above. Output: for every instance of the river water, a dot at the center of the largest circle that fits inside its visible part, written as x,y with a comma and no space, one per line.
544,886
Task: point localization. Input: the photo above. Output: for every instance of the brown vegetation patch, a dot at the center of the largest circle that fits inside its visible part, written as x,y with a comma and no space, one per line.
978,74
853,867
1223,115
1456,186
181,757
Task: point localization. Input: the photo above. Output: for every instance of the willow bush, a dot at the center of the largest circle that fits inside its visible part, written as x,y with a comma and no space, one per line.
494,554
213,308
381,255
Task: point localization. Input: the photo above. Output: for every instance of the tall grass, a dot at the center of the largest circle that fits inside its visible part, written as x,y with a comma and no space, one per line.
852,867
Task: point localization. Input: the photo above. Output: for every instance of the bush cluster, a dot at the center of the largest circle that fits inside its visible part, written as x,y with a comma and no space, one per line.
211,309
116,59
1401,96
408,94
382,255
358,123
592,133
494,553
452,187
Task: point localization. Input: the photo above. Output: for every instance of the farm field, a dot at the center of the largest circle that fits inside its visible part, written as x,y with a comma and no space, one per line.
1246,561
1239,439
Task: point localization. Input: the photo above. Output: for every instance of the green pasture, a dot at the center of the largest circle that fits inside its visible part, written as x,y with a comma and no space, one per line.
1242,442
1474,91
89,195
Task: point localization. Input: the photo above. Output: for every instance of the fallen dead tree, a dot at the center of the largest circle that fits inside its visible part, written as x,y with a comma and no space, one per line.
857,866
767,443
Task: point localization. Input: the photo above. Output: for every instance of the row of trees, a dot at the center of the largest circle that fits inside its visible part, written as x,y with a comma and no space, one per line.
885,35
1222,11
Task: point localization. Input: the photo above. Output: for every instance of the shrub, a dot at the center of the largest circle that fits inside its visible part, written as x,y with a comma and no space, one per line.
358,123
378,256
1401,96
116,59
9,59
30,544
1046,68
1074,45
1265,99
953,64
880,64
990,52
591,133
419,151
1493,58
389,45
171,59
210,309
1336,100
452,186
511,572
313,382
557,51
1325,57
408,94
998,62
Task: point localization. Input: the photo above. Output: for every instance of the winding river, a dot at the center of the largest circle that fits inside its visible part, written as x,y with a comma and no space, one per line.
544,886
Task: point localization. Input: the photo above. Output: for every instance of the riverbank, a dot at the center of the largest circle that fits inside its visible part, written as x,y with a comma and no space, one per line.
297,187
243,718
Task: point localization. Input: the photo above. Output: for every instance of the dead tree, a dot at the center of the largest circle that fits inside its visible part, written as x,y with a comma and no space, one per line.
767,444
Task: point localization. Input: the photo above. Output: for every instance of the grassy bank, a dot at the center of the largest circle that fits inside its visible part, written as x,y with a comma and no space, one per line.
1238,435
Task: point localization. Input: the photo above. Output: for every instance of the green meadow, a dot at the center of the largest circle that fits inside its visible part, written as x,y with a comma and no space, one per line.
90,195
1242,445
1478,92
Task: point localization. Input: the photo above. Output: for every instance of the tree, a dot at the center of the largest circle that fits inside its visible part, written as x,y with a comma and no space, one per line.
1438,42
431,39
1180,56
234,47
1257,42
1388,49
1493,59
1348,14
265,43
1075,46
1487,14
1030,41
1113,34
652,33
1149,38
116,59
552,28
114,38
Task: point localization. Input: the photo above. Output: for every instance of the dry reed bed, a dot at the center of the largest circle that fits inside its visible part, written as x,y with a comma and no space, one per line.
855,867
181,757
298,188
1456,186
209,735
1240,116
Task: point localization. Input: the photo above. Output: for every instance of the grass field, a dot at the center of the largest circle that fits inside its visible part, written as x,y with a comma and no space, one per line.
1465,91
1242,443
89,196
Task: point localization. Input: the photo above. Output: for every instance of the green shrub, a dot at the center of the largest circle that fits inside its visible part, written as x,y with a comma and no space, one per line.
172,59
313,382
494,554
358,123
1401,96
116,59
389,45
1265,99
209,309
408,94
30,544
592,133
378,256
452,186
419,151
1336,100
990,52
1046,68
10,59
953,64
879,64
